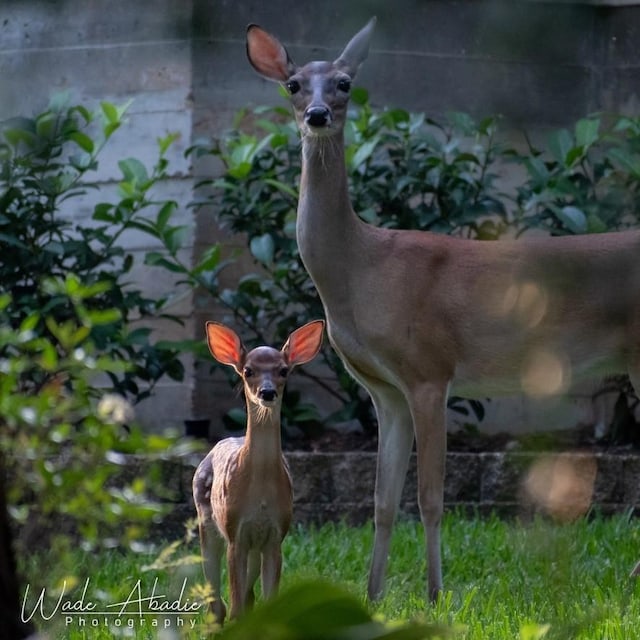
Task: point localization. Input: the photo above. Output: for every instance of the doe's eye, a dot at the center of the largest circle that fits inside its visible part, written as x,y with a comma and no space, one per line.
247,372
284,372
344,85
293,86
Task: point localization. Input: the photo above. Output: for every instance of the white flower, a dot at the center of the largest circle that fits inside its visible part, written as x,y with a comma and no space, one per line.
115,408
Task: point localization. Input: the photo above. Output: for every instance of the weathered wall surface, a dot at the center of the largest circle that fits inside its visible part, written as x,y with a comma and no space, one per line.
114,51
540,64
338,486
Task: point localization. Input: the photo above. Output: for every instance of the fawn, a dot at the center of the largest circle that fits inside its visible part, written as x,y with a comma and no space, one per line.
415,315
242,489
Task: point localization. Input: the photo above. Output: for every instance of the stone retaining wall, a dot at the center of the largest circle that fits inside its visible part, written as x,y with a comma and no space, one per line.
334,486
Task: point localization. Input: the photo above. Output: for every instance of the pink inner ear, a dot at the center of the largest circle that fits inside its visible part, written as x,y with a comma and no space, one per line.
224,344
267,55
305,342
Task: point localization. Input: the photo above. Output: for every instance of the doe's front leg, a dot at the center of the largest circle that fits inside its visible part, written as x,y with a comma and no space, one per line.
395,440
428,407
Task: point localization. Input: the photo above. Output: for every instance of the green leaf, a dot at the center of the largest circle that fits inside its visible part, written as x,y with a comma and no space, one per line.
45,124
573,218
156,259
281,186
106,316
83,141
359,96
209,259
537,170
560,143
110,112
166,142
262,248
240,170
165,213
20,131
595,224
364,152
104,212
628,161
175,238
587,130
134,171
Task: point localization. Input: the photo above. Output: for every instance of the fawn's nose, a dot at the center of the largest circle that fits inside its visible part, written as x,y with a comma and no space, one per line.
317,116
268,395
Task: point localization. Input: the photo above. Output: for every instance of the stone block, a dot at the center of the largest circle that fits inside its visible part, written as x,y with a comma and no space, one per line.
313,478
609,483
354,476
463,478
631,480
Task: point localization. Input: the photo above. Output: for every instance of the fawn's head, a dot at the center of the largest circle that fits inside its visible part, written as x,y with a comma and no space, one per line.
264,370
319,91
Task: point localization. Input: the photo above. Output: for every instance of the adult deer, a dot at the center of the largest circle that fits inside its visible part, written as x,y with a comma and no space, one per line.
242,489
414,314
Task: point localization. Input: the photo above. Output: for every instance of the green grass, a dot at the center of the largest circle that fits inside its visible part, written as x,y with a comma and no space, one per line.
504,580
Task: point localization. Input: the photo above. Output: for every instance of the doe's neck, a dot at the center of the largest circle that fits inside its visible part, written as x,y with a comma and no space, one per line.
325,214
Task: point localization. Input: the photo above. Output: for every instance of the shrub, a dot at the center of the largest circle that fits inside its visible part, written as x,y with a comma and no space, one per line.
45,163
61,446
69,356
405,171
588,181
443,179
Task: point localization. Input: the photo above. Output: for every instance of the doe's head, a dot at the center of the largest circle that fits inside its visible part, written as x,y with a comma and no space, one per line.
319,91
264,370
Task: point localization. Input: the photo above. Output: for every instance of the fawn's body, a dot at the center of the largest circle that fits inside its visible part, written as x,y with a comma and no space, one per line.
242,489
413,314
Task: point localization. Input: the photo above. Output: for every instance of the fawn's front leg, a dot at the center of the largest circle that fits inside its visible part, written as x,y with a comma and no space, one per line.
212,549
271,568
237,563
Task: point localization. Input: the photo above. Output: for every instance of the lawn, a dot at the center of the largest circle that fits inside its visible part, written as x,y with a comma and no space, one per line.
504,579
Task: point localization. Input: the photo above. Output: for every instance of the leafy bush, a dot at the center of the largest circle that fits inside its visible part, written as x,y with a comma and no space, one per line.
588,181
405,171
69,355
61,447
45,163
443,179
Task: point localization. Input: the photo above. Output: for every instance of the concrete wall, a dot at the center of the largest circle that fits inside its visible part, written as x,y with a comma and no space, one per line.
540,64
114,51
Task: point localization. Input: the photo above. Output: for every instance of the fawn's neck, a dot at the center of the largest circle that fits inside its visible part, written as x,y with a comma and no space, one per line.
262,440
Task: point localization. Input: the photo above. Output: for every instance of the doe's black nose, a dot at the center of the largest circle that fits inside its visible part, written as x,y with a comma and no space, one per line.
317,116
267,394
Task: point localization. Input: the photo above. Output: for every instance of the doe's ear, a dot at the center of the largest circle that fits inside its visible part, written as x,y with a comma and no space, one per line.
304,343
357,49
225,345
267,55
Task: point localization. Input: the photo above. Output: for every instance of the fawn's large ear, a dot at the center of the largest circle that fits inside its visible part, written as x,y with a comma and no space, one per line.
304,343
357,50
225,346
267,55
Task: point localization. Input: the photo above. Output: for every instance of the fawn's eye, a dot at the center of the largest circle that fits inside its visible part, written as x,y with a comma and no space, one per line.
247,372
344,85
284,372
293,86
